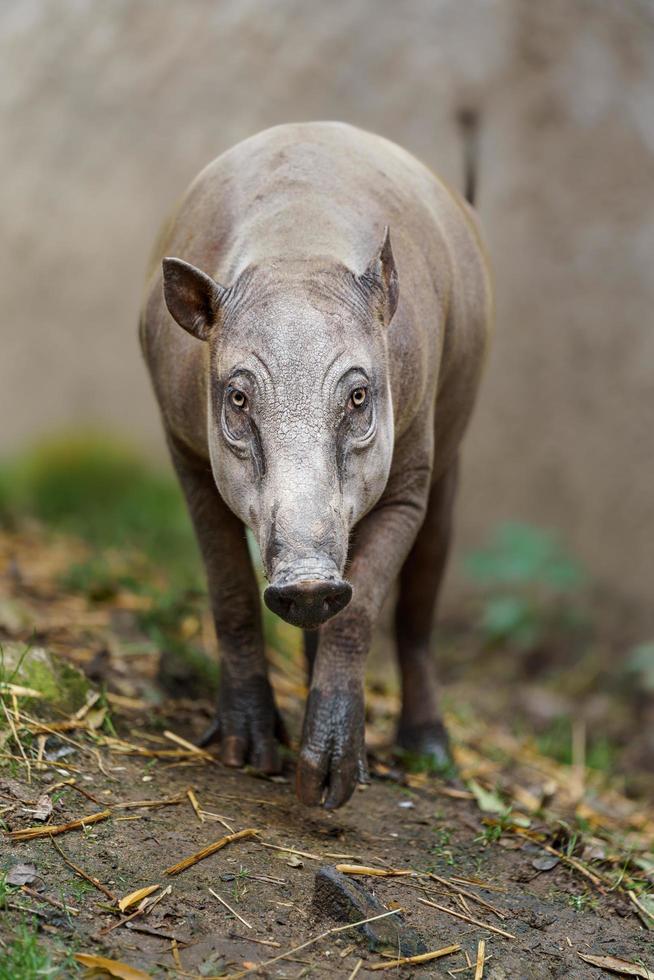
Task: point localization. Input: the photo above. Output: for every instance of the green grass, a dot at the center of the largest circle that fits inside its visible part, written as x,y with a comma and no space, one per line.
530,585
519,554
556,742
8,674
99,578
133,517
26,959
58,681
105,492
585,902
5,889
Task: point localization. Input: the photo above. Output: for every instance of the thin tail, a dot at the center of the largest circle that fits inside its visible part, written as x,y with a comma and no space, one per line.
468,120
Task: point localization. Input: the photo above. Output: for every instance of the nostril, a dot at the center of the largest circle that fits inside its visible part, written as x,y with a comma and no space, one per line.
308,603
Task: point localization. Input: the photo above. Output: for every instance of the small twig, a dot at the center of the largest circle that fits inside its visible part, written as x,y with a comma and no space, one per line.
292,850
358,965
359,869
211,849
245,799
50,901
86,707
310,942
261,942
577,865
464,969
41,726
194,803
481,956
17,690
71,784
646,915
471,895
209,815
58,765
478,883
17,740
29,833
137,804
25,908
91,880
420,958
269,878
467,918
230,909
193,749
155,901
174,950
158,933
121,922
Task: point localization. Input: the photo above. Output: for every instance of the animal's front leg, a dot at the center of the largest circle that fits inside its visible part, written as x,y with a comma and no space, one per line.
332,755
247,721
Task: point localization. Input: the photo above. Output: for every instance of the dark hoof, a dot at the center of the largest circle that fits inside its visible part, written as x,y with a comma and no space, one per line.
427,748
244,736
210,734
332,757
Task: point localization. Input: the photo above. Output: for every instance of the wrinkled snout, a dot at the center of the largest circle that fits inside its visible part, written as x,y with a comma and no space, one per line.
308,602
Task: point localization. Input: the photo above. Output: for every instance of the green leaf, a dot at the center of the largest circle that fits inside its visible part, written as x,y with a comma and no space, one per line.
641,662
487,800
522,555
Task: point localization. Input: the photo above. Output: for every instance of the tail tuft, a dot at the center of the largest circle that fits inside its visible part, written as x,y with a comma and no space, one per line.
468,120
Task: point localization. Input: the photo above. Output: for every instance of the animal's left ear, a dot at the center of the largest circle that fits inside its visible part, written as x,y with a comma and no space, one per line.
381,277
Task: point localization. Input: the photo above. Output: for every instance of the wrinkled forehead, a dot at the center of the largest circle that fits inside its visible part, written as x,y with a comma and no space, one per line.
290,333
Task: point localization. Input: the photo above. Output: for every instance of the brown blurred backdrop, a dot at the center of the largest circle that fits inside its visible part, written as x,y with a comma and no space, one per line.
109,109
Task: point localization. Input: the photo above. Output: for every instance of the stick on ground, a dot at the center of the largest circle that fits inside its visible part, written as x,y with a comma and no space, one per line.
230,909
79,871
310,942
467,918
209,850
481,956
420,958
29,833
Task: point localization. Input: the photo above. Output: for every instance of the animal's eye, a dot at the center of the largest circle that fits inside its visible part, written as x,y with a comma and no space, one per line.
238,399
359,397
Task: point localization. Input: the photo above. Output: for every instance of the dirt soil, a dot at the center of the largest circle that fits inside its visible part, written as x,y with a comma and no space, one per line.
559,870
130,851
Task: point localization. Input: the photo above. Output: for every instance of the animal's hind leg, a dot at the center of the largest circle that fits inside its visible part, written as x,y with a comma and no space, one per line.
421,729
311,638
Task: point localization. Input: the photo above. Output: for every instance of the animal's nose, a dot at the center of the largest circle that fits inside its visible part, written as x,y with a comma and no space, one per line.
308,603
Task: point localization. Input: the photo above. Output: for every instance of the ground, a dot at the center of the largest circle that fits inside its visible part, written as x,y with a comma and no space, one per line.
549,853
543,846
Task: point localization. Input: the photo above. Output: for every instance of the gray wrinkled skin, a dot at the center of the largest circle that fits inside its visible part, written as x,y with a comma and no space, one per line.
318,392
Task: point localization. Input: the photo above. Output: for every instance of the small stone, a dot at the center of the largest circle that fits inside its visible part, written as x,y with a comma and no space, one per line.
345,900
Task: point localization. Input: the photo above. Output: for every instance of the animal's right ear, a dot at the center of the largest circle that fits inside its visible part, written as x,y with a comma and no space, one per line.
192,297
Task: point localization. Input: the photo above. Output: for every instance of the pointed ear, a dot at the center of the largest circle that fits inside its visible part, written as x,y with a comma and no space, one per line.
192,297
381,276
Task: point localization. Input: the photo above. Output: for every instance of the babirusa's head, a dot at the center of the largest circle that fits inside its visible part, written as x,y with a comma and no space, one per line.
300,420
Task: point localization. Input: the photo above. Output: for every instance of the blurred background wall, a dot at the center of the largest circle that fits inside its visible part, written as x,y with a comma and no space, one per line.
107,110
